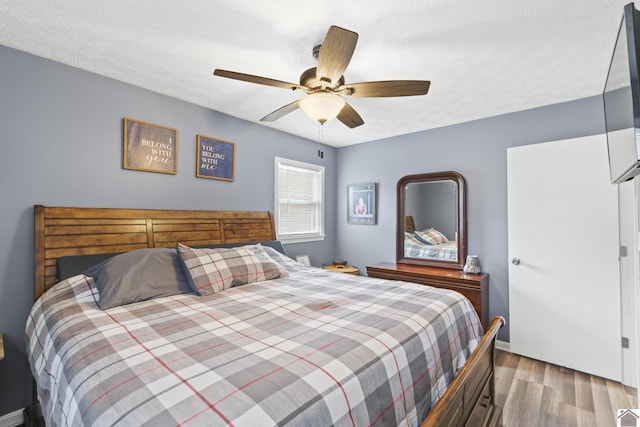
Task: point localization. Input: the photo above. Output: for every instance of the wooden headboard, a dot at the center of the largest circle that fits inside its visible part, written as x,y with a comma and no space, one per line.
81,231
409,225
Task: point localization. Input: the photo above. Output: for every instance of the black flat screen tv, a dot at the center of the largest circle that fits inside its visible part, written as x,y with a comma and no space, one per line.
621,99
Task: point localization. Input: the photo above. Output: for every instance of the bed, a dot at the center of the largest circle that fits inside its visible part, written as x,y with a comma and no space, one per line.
429,243
296,346
414,248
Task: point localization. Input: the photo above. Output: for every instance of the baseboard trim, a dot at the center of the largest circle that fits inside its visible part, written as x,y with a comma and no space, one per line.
503,345
12,419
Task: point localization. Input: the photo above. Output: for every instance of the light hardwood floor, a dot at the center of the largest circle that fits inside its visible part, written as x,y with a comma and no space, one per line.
538,394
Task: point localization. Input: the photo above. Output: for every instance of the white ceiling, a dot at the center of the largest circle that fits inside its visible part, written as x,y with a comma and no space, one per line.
483,57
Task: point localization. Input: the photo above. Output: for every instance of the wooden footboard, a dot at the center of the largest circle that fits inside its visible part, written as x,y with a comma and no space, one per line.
470,398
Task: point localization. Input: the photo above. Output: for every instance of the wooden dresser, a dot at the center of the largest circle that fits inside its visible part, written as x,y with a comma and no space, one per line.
473,286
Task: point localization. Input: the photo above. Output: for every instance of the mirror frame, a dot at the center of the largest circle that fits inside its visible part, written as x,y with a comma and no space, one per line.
461,220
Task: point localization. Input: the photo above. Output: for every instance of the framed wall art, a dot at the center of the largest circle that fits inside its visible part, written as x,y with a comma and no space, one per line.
149,147
215,158
361,203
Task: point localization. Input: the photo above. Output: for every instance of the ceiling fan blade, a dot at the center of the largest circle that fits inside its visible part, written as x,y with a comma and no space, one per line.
350,117
386,88
335,53
256,79
282,111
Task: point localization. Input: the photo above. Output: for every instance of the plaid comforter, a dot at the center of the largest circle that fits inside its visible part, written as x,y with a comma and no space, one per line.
413,248
315,349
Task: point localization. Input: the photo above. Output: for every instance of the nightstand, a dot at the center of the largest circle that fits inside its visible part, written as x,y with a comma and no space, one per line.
347,269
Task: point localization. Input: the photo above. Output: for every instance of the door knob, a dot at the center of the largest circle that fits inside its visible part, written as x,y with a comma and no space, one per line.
515,261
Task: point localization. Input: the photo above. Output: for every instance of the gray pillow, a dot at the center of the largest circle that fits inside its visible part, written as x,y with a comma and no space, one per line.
137,276
69,266
275,244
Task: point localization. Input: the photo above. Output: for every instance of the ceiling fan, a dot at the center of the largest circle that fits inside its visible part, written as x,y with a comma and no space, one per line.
325,85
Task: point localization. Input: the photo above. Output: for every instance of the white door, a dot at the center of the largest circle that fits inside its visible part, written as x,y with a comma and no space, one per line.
564,294
629,284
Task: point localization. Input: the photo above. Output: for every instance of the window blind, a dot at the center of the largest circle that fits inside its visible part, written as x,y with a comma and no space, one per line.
299,200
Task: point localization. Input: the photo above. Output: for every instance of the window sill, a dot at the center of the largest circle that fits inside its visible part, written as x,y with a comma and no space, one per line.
301,239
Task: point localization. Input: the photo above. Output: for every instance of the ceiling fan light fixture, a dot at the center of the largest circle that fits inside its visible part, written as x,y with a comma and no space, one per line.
322,106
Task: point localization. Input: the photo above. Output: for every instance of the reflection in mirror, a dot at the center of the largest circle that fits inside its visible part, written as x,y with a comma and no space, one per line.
431,220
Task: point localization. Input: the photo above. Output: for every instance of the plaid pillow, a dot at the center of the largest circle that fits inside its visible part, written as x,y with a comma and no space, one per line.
213,270
431,237
259,250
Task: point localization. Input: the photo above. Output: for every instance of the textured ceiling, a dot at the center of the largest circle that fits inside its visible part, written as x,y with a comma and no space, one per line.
483,58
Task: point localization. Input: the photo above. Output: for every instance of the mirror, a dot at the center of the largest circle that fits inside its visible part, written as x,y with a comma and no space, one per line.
431,220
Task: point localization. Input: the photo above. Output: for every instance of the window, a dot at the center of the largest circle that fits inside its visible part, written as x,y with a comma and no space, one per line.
299,204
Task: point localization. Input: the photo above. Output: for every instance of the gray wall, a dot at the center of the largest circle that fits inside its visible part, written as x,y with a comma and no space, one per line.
477,150
61,145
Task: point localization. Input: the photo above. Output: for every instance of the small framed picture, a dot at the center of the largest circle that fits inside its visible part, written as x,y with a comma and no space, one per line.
215,158
303,259
149,147
361,203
